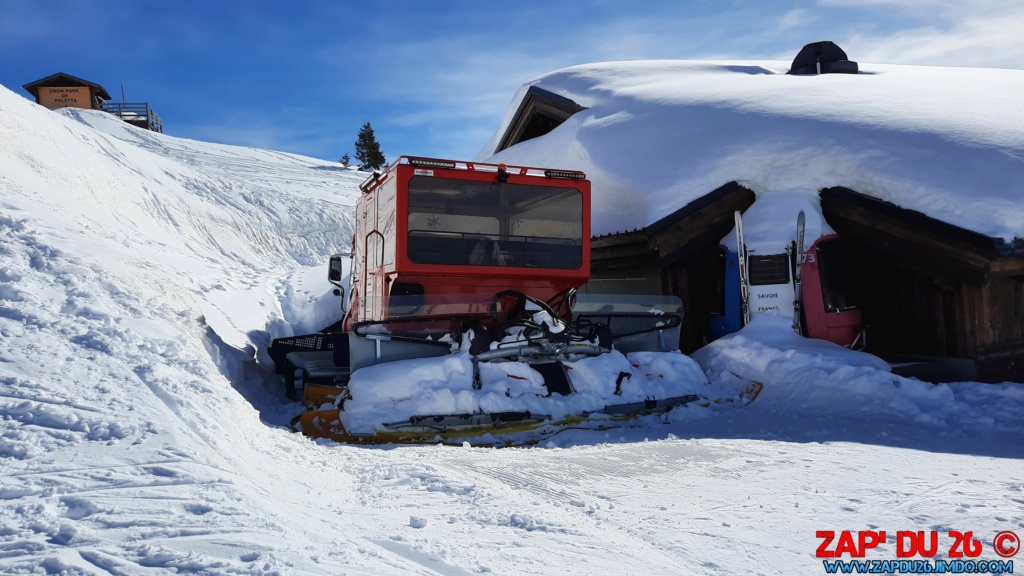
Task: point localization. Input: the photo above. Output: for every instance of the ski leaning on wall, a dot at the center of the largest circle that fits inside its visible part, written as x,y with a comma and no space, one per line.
796,275
741,251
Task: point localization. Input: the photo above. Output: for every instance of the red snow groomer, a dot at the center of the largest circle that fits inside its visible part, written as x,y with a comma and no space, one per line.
484,261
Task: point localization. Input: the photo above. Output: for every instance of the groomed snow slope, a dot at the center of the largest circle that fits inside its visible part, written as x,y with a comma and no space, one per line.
140,278
658,134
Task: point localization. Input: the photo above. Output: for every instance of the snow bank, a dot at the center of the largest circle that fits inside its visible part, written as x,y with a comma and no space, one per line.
137,275
811,377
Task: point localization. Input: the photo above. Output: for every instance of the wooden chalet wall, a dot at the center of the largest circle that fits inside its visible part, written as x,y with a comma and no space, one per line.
677,255
912,312
930,288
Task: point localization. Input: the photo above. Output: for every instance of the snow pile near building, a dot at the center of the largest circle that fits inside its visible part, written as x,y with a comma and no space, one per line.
813,376
659,134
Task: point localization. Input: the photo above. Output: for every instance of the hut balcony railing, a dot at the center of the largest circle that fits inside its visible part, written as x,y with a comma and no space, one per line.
135,113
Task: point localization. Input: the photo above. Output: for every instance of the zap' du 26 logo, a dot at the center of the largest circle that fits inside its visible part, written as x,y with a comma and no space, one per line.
911,543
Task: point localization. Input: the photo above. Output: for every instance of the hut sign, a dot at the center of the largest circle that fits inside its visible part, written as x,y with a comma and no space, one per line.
73,96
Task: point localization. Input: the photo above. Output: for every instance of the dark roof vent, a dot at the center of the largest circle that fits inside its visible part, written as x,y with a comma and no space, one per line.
822,58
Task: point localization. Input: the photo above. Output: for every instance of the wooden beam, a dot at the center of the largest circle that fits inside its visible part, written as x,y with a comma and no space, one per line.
702,221
1001,362
622,250
912,255
931,246
1012,266
619,239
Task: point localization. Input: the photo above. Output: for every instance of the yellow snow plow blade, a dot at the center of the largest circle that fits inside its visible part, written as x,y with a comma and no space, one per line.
327,424
316,395
749,393
502,429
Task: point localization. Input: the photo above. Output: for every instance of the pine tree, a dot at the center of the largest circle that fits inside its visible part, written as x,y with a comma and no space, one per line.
345,160
368,150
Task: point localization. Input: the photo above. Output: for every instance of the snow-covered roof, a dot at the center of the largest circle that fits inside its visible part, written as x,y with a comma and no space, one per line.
655,135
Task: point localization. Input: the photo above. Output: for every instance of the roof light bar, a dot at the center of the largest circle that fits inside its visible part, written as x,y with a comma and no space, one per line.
431,163
565,174
369,181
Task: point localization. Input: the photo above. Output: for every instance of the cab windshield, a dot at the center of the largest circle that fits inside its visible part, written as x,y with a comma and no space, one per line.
455,222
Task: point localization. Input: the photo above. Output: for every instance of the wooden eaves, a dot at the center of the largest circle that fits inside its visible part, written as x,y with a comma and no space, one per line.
925,244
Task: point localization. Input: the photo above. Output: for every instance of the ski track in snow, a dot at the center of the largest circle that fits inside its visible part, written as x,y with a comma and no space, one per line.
142,427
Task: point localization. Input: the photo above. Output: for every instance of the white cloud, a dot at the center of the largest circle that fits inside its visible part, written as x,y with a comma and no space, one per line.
976,33
904,4
794,19
988,41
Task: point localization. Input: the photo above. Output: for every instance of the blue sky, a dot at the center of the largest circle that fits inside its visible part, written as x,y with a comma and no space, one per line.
436,78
